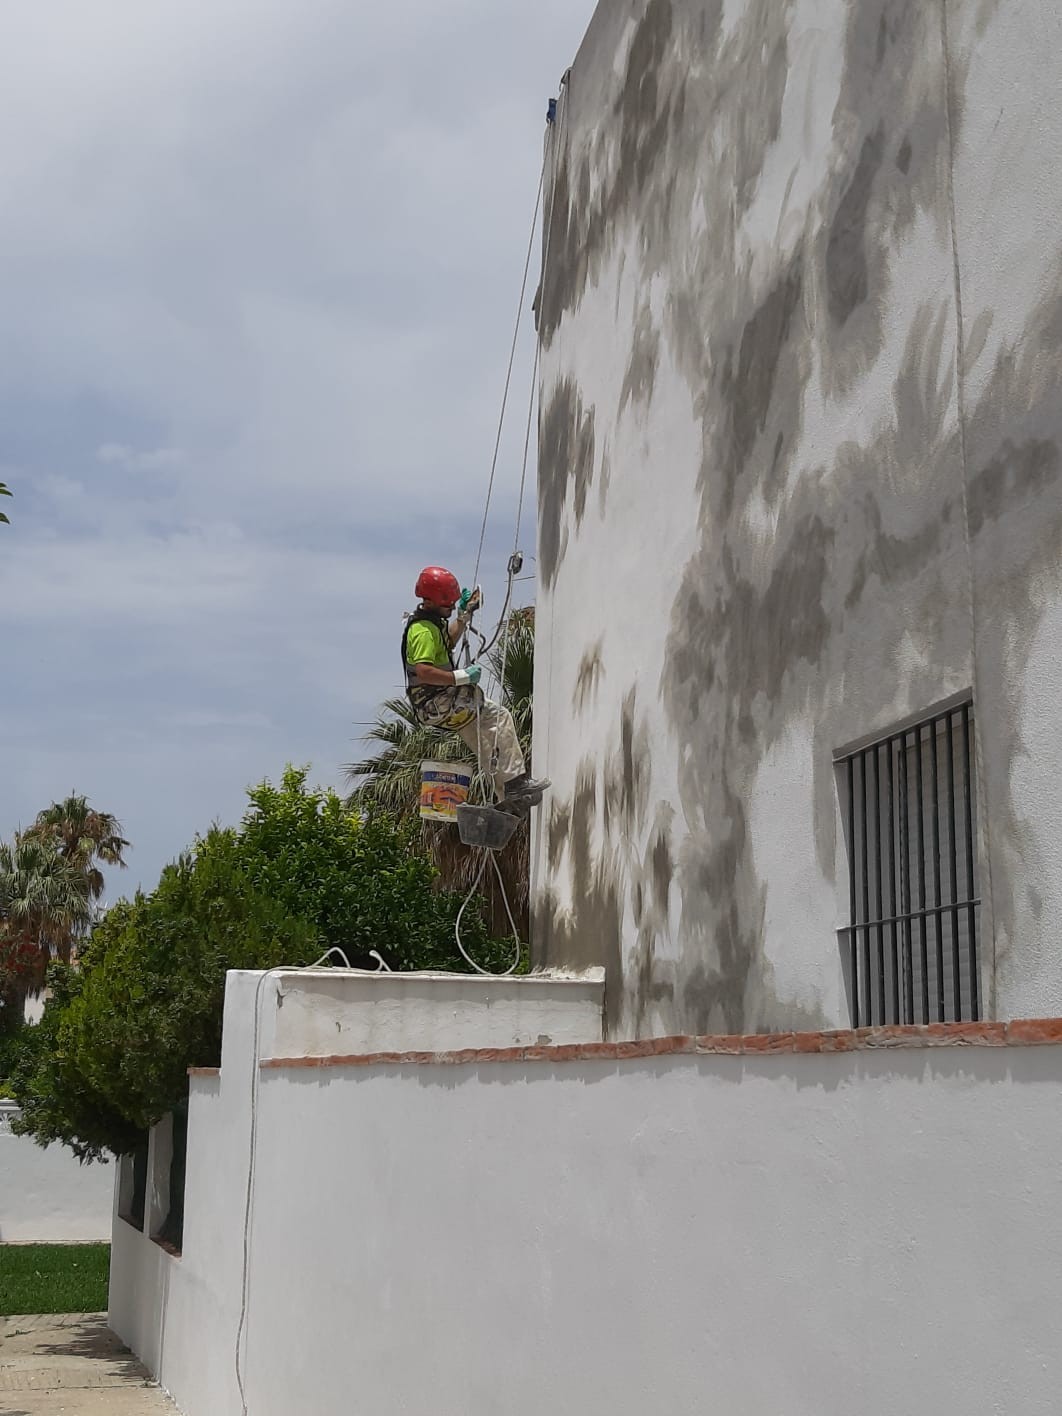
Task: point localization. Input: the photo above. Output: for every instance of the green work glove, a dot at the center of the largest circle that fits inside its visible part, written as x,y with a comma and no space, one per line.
470,600
470,676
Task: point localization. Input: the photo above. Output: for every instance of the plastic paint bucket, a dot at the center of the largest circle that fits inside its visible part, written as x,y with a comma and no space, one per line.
444,786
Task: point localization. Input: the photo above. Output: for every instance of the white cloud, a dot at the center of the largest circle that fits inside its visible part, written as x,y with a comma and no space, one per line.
118,455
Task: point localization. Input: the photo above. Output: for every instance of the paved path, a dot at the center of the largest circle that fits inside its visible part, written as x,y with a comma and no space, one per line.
71,1364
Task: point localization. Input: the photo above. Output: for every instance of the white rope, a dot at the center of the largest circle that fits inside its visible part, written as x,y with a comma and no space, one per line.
509,370
512,922
552,149
517,946
497,449
555,150
519,512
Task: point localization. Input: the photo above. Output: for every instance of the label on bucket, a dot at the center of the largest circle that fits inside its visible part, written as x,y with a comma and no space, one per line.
443,788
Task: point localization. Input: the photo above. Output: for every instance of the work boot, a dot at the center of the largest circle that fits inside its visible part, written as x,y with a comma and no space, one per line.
523,792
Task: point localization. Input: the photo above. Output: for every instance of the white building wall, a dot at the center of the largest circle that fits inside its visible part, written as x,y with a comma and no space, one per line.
800,479
46,1195
815,1234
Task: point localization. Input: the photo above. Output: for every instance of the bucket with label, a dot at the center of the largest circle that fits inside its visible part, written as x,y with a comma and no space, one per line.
444,786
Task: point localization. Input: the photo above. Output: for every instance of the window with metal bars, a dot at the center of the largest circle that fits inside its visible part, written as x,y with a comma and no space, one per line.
914,905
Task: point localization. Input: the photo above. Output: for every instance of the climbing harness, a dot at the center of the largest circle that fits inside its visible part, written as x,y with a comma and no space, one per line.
448,706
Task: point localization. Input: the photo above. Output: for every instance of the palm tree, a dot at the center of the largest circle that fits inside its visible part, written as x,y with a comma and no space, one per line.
84,838
50,879
5,491
45,902
513,664
390,777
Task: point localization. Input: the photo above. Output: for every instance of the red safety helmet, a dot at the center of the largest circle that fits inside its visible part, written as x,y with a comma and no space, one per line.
438,588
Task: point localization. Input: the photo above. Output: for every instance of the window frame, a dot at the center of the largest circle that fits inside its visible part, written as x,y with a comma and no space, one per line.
911,945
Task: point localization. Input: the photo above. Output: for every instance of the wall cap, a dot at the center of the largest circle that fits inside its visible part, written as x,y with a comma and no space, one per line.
1023,1032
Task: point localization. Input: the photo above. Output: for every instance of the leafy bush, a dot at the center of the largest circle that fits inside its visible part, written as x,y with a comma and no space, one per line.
362,879
110,1055
11,1044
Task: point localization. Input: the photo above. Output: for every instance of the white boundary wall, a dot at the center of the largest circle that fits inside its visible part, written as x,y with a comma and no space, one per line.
46,1195
798,1235
181,1316
874,1231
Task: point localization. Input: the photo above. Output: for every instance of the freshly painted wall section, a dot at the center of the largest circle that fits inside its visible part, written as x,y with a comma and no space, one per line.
801,322
46,1196
327,1012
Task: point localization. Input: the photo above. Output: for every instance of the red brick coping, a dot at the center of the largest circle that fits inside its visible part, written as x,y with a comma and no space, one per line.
1028,1032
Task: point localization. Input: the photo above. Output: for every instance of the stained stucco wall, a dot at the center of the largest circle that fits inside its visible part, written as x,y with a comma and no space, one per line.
801,324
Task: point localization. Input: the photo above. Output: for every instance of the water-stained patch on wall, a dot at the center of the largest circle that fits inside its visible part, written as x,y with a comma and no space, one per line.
847,279
1016,475
591,669
566,464
626,162
890,133
599,835
626,785
643,118
641,367
589,932
747,383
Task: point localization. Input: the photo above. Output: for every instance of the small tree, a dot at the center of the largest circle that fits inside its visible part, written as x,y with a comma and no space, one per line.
302,873
109,1057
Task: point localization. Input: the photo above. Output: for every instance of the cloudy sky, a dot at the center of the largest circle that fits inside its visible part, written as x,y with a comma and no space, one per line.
260,262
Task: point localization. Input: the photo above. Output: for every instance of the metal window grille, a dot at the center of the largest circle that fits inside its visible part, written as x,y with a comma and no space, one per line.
914,901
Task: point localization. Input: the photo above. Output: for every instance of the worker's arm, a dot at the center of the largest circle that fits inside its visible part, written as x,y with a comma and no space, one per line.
471,600
434,677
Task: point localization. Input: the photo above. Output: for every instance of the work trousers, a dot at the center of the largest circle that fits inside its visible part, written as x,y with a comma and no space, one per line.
492,737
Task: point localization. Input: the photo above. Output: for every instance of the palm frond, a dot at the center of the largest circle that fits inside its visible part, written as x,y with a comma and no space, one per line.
82,836
45,899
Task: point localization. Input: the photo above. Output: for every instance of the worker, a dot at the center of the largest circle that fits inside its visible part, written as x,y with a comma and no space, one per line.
444,696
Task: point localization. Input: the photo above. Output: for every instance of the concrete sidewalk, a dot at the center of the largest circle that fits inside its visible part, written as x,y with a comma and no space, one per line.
71,1364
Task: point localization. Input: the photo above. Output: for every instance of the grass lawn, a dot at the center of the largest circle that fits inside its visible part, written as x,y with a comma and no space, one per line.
53,1278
